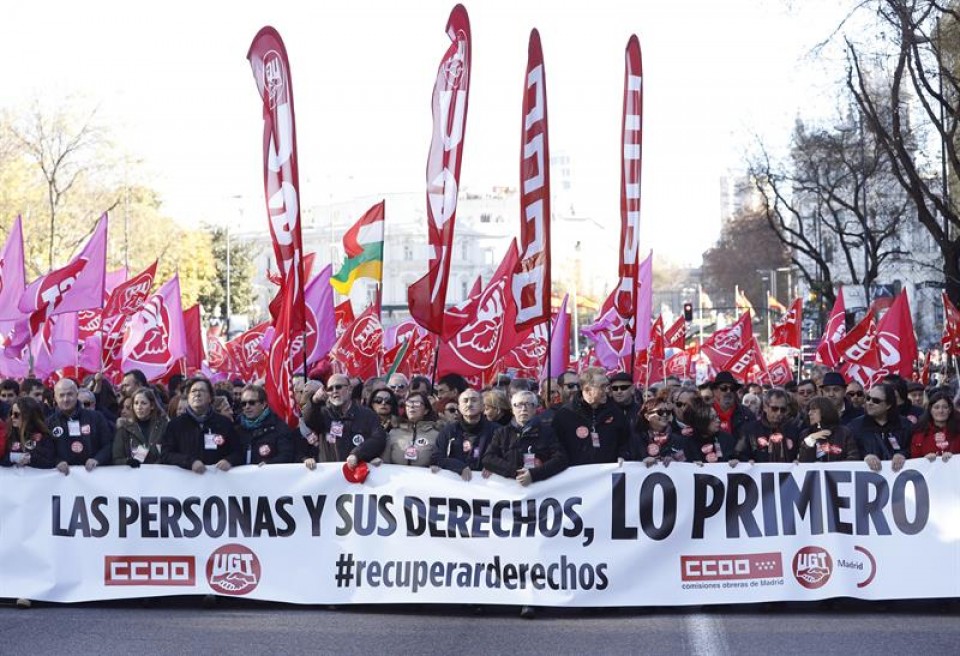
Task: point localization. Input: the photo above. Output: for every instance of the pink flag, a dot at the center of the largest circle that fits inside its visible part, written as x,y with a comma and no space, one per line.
611,339
631,145
156,339
76,286
12,277
530,286
55,347
428,295
559,342
644,302
828,353
321,330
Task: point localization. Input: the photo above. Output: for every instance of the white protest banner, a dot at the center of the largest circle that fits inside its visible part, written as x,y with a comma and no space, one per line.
593,536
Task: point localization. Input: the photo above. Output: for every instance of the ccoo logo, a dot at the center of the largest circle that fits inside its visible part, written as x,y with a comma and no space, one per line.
233,569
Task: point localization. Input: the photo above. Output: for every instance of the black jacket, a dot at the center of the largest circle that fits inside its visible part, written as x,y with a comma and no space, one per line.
461,445
755,442
882,441
840,446
698,447
93,436
356,432
42,450
506,451
129,436
575,424
184,441
271,442
659,445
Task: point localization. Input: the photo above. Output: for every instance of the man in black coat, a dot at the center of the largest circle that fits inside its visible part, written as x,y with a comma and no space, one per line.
83,436
265,439
590,427
343,431
200,437
462,443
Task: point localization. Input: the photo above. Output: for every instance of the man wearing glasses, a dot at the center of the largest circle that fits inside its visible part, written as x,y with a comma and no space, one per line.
82,435
856,395
591,428
834,388
343,431
265,439
400,386
200,437
881,433
771,438
624,395
733,416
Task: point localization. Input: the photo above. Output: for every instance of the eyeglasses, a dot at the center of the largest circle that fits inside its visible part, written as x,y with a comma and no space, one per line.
381,399
873,399
89,404
572,386
619,388
519,405
725,388
680,404
247,402
414,402
663,412
15,414
777,408
806,391
854,394
451,411
397,387
335,388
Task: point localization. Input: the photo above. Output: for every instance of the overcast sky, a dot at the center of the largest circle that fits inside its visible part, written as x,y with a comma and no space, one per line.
172,82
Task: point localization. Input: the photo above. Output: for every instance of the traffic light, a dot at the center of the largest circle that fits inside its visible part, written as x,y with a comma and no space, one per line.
688,311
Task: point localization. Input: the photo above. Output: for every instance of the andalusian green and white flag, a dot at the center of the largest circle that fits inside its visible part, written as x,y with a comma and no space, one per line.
363,245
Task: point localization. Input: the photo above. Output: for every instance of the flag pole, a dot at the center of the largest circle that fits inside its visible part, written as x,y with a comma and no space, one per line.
549,359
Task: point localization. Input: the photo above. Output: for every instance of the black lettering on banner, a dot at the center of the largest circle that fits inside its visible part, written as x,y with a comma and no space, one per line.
618,509
457,518
170,514
921,496
383,506
214,517
436,518
497,519
345,515
576,528
741,512
668,521
239,515
807,501
315,510
98,514
836,502
79,522
129,510
528,518
768,501
190,505
871,510
702,510
481,518
551,517
148,515
415,513
289,525
263,520
602,581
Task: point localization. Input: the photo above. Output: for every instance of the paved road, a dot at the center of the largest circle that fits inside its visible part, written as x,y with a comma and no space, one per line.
235,627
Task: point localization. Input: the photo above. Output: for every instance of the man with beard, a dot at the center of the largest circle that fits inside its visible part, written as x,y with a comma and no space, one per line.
264,437
881,433
591,428
462,443
82,435
771,438
200,437
834,388
733,416
343,431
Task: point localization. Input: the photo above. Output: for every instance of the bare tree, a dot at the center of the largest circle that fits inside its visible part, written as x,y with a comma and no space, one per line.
61,147
918,49
835,205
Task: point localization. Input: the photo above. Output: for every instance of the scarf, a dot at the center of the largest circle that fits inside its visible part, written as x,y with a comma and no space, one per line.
251,424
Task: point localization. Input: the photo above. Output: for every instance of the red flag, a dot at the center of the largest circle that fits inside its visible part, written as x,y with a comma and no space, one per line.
925,371
343,315
428,295
247,354
858,350
491,333
951,327
788,331
631,145
780,372
676,335
279,372
747,363
531,279
156,338
722,345
828,352
456,318
218,357
527,359
677,365
423,353
359,349
193,337
896,342
78,285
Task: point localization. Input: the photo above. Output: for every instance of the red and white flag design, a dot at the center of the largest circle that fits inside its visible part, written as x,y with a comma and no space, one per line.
248,355
428,295
896,341
828,352
951,327
359,350
630,166
858,351
788,331
156,338
780,373
722,345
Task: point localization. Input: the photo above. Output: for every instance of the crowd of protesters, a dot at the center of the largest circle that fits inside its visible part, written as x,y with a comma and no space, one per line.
516,428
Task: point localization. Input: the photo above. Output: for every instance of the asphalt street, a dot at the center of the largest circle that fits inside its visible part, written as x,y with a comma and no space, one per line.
184,626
